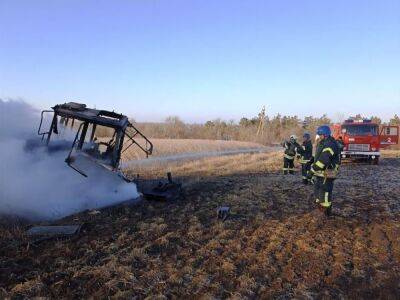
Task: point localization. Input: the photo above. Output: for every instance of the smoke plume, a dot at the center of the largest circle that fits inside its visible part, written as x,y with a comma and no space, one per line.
39,185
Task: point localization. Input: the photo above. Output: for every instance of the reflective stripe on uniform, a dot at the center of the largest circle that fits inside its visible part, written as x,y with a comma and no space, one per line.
304,177
320,164
329,150
317,173
285,169
326,202
288,156
332,173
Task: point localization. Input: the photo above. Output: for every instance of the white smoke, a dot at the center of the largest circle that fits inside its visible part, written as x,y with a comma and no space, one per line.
40,185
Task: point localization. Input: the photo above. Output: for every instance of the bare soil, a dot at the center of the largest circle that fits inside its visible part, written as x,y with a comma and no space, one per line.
275,243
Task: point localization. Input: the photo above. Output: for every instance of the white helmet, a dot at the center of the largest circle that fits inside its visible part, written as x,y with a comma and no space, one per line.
293,137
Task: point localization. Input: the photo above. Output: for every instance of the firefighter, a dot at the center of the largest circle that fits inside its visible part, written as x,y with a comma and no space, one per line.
306,158
289,155
341,147
325,168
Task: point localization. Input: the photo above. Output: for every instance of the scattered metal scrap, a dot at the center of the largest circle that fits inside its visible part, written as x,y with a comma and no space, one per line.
160,189
40,233
223,212
54,230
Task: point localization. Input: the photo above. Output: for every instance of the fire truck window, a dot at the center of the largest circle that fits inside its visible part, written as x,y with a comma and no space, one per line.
361,129
388,130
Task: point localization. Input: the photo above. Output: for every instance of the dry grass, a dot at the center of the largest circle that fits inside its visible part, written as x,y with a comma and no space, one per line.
211,166
274,244
391,153
165,147
193,167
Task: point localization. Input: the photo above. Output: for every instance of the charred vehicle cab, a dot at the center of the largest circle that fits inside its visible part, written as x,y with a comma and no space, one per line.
98,142
364,139
85,123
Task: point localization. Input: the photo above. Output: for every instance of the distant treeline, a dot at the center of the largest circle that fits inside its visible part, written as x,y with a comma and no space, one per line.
275,129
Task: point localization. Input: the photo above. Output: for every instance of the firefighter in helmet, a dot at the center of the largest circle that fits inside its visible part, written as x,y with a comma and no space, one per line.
341,147
306,158
291,147
325,168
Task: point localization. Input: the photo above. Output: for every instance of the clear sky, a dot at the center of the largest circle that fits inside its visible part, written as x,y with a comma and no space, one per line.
204,59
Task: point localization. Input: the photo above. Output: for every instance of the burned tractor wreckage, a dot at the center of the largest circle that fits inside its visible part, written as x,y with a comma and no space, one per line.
89,154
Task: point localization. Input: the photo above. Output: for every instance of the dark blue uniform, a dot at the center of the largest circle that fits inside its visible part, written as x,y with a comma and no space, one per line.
325,169
306,159
289,155
341,147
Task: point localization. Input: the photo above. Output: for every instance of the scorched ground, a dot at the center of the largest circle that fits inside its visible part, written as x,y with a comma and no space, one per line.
273,244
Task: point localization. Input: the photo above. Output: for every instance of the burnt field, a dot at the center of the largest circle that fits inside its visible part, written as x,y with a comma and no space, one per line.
273,244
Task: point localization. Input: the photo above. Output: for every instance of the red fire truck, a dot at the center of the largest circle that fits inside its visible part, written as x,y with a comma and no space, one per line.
363,139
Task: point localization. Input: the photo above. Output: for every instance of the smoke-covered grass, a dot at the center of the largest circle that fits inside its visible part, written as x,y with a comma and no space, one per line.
38,184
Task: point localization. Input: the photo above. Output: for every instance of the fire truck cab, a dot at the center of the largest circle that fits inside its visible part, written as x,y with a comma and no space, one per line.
364,139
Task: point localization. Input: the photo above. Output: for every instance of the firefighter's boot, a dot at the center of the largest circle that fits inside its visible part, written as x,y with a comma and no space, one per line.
320,206
328,211
305,181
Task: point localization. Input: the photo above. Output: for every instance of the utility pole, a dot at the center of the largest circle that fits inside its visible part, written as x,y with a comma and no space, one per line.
261,122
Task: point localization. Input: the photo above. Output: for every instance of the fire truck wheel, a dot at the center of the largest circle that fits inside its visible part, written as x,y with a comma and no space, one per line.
375,161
